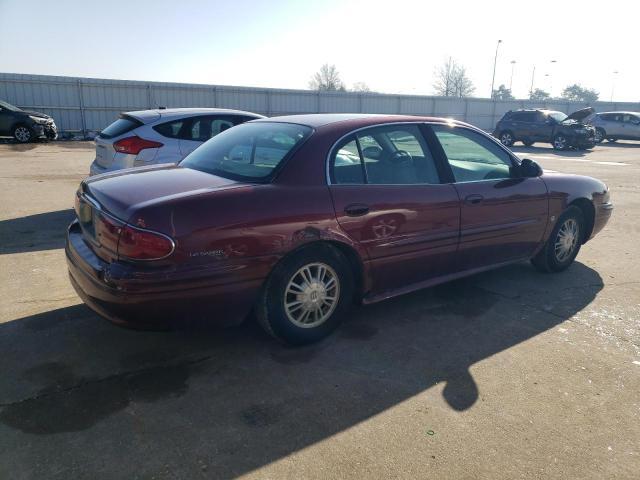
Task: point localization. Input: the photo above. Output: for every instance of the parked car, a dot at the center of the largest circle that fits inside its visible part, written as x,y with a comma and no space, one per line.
24,125
616,125
150,137
548,126
275,217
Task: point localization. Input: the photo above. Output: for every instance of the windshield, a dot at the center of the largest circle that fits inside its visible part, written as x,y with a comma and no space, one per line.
8,106
248,152
558,116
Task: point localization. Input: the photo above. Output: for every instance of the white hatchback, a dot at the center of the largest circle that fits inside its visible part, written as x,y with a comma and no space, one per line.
149,137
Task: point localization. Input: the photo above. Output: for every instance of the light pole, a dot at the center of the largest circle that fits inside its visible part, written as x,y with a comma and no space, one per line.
513,64
613,84
551,79
495,60
533,75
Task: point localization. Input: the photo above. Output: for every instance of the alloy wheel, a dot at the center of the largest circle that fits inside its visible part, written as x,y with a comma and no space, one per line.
567,240
22,134
312,295
506,139
559,143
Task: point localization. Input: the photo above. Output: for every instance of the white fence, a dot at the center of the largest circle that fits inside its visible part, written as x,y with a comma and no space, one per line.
89,104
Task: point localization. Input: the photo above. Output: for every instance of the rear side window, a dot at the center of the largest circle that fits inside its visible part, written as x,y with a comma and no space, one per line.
249,152
121,126
524,116
390,155
170,129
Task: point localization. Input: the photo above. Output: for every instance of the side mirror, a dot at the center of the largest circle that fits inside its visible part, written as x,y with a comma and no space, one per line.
530,169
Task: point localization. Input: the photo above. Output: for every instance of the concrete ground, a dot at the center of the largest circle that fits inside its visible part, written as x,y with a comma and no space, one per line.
508,374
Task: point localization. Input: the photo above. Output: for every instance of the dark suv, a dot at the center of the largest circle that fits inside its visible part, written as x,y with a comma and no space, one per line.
25,126
556,128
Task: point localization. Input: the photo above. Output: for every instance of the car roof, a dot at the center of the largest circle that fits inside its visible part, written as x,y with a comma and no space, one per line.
623,112
148,116
316,120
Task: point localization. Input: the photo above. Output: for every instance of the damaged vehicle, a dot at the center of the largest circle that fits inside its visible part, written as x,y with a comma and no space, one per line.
25,126
548,126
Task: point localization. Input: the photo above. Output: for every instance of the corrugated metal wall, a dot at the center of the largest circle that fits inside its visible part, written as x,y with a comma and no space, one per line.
90,104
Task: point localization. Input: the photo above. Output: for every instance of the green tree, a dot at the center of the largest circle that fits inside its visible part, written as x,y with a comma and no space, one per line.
502,93
539,94
327,79
578,93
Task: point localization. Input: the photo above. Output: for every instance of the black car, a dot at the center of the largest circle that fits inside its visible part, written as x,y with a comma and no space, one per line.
25,126
535,125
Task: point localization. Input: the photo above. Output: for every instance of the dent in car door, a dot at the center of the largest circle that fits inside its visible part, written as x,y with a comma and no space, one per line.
409,229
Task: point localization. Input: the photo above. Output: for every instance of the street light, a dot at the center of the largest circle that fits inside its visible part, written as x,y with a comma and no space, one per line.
513,63
551,79
613,84
495,60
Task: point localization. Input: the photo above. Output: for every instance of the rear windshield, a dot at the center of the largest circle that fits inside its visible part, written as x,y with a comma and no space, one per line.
122,125
248,152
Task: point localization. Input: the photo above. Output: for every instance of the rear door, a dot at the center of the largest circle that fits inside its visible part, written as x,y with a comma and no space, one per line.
502,218
631,126
389,196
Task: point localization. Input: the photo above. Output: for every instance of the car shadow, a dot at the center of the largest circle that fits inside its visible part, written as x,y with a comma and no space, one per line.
42,231
621,144
234,400
549,151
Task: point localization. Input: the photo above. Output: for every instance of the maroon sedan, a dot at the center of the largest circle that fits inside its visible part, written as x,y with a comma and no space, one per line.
293,218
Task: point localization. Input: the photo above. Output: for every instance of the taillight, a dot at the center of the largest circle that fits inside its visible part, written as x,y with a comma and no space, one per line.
138,244
134,145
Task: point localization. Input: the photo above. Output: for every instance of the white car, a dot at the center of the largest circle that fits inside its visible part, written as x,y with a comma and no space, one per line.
149,137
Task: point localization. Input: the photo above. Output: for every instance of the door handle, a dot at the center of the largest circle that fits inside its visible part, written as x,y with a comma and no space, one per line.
356,209
474,199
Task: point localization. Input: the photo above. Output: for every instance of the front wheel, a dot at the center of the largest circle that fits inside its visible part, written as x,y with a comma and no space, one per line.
22,134
560,142
600,135
563,244
527,143
306,296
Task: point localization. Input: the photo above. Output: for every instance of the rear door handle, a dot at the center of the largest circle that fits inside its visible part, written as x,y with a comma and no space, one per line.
356,209
474,199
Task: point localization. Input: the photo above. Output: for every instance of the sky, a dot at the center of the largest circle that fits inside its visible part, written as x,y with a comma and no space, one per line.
392,46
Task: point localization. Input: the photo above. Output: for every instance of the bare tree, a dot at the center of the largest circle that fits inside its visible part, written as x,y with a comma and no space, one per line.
452,80
327,79
360,87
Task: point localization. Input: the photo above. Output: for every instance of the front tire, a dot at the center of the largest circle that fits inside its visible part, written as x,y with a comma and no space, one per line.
612,140
527,143
306,296
560,142
506,138
563,244
22,134
600,135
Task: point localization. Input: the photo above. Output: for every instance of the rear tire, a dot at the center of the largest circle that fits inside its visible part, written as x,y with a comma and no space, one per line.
22,134
306,296
506,138
563,244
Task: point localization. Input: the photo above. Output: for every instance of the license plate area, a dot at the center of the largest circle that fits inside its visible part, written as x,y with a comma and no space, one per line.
86,218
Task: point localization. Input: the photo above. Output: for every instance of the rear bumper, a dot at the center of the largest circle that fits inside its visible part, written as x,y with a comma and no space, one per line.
157,302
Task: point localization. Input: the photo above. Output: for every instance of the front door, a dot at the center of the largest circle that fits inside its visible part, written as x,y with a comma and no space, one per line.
388,197
502,217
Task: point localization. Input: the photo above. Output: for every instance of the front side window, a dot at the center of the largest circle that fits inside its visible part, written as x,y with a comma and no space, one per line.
472,157
389,155
249,152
